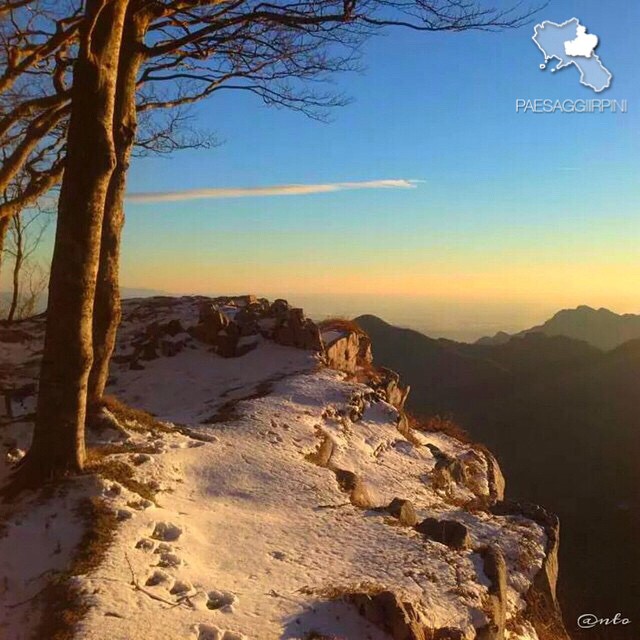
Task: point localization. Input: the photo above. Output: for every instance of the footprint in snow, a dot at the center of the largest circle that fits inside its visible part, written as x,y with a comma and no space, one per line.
158,578
221,601
166,531
208,632
140,505
169,560
145,544
181,587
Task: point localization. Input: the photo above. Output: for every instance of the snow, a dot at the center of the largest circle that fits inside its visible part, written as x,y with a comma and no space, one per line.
248,536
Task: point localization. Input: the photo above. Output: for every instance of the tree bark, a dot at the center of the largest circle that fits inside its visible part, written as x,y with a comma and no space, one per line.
58,444
17,266
4,228
107,307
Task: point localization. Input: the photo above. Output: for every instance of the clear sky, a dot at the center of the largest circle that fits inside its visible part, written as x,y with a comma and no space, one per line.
515,215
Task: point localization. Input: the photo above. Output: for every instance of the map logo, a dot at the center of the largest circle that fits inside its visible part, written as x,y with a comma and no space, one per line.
571,45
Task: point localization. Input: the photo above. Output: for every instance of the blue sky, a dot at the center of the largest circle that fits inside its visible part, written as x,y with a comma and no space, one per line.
519,211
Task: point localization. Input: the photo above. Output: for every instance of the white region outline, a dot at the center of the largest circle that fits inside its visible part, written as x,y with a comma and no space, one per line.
563,64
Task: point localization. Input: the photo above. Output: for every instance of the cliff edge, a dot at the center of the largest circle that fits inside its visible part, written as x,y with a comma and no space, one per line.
256,477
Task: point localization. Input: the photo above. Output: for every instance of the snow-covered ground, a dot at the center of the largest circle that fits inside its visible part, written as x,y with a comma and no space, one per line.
249,538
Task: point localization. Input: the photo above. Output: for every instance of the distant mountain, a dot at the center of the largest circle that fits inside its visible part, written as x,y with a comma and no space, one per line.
564,418
599,327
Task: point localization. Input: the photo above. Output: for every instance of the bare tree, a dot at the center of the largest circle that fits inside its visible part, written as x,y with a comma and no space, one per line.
28,278
133,56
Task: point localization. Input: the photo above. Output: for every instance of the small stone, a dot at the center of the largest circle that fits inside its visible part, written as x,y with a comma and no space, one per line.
404,511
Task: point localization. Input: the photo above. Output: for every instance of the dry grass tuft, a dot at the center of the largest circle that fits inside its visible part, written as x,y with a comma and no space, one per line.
63,604
340,324
120,472
440,424
135,419
345,592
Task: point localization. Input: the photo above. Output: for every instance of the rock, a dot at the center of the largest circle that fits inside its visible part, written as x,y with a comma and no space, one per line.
248,318
388,383
497,484
452,533
149,350
244,301
279,308
226,343
359,493
173,327
169,348
495,568
404,511
547,615
447,469
295,330
385,610
448,633
547,578
344,353
322,456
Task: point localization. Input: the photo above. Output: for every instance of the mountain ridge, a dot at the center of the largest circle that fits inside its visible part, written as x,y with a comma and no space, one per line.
600,327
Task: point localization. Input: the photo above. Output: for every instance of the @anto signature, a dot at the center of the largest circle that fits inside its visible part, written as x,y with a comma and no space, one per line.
590,620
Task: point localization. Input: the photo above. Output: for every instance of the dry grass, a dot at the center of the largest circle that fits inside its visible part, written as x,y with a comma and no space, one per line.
340,324
135,419
344,592
440,424
63,604
120,472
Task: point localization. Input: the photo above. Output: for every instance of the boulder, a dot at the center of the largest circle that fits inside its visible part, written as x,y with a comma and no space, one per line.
173,328
452,533
345,352
359,493
294,330
447,470
322,456
387,382
404,511
279,309
385,610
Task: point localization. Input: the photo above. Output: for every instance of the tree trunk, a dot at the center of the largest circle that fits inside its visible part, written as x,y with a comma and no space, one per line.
4,228
58,443
107,308
17,266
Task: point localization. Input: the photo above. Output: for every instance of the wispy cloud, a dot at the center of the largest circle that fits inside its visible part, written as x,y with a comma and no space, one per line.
274,190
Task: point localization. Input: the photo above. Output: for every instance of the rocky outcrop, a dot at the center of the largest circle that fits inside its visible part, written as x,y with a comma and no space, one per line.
387,383
294,330
399,618
542,596
347,350
495,569
547,578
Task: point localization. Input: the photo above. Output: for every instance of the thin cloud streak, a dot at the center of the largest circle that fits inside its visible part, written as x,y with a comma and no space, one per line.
275,190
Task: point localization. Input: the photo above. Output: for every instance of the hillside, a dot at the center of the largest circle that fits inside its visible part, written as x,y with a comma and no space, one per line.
599,327
277,491
564,421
